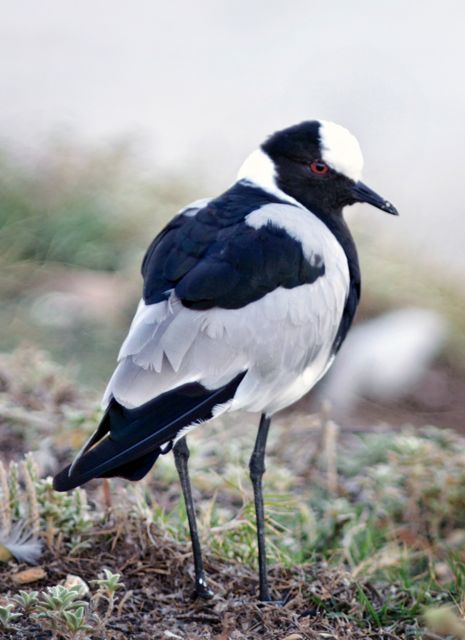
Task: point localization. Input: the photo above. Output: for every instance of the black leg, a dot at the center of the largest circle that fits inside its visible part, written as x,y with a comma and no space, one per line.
181,456
257,469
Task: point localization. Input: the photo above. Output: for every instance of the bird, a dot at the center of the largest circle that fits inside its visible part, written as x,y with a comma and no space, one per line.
247,298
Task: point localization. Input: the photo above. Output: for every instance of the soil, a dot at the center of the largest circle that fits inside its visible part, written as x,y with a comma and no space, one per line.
313,602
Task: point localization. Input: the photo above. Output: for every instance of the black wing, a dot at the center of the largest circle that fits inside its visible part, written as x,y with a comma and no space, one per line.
214,259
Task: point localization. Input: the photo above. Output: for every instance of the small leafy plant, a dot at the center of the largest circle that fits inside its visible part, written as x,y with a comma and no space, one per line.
64,611
61,611
108,585
8,616
27,600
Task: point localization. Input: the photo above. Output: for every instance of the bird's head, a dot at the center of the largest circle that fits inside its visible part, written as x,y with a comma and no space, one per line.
317,163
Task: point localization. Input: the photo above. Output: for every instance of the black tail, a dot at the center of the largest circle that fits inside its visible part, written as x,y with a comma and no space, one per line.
128,441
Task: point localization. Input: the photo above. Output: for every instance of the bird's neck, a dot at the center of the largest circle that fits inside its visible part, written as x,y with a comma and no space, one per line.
260,170
335,222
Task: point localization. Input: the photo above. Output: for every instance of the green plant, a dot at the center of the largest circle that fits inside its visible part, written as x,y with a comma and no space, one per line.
61,611
27,600
108,585
64,611
8,616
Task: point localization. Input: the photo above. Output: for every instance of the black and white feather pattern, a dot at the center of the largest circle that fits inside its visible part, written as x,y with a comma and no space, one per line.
246,299
283,339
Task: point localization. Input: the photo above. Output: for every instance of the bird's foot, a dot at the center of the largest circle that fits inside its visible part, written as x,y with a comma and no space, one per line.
202,590
266,598
273,602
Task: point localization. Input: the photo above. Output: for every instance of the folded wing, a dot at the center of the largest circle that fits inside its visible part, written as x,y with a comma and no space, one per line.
227,306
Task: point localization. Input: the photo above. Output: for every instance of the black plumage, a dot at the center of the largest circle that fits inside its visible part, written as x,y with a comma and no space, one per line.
214,259
135,436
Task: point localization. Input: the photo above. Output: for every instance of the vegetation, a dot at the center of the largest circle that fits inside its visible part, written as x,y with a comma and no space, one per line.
81,208
73,228
365,530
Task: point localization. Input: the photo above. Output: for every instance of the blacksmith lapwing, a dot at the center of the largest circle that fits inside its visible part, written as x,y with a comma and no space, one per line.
247,298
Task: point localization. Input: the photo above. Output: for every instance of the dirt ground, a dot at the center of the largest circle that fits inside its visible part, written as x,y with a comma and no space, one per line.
314,602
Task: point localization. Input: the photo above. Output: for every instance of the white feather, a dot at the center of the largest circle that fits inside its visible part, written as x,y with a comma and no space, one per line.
341,150
259,169
22,544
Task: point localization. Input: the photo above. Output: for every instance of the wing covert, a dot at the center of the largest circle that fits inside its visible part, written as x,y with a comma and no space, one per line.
211,257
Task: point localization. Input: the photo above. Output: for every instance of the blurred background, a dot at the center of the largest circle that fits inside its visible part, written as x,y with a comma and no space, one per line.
115,114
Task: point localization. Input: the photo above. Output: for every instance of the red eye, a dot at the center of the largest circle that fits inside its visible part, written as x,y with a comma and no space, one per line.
319,167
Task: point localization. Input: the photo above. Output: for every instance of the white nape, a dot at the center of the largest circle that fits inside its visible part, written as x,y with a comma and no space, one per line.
341,150
259,169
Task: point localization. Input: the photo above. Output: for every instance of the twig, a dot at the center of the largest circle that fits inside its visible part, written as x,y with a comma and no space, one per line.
5,509
32,496
330,433
26,417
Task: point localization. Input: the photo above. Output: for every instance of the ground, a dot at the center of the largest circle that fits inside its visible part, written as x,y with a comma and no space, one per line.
319,602
365,530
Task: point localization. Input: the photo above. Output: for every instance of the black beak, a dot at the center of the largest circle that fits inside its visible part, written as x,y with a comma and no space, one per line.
362,193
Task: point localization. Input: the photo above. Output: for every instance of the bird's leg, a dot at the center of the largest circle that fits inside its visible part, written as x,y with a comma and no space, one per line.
257,469
181,456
